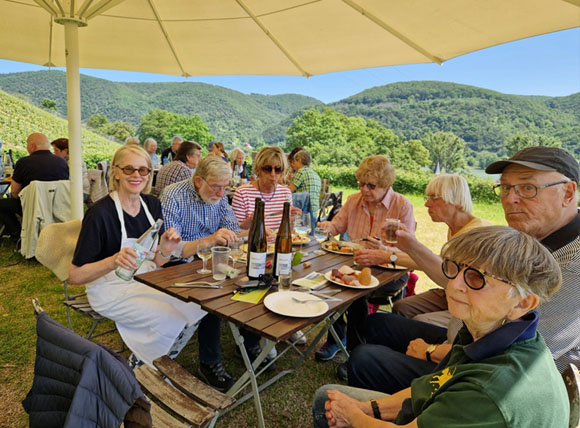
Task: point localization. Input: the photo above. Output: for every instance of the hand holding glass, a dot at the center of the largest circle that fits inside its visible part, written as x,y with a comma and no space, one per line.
389,232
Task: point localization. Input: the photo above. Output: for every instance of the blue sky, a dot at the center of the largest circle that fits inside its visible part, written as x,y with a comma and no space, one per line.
542,65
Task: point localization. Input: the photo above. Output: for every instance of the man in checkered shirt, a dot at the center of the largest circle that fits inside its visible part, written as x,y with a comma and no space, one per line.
539,193
306,181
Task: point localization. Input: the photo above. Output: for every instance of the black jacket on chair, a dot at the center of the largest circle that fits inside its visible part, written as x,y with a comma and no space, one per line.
78,383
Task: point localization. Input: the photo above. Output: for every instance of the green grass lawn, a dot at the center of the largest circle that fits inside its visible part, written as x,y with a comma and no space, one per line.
286,403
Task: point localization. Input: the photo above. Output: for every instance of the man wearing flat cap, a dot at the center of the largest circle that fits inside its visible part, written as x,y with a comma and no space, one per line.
539,193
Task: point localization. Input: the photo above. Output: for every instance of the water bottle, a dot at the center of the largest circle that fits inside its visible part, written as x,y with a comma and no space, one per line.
142,247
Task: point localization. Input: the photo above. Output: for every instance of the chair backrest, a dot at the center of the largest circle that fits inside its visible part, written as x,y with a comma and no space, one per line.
330,206
572,382
56,246
98,187
43,203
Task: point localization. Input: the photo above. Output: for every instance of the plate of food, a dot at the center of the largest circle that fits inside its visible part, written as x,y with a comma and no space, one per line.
299,240
270,250
340,247
295,304
348,277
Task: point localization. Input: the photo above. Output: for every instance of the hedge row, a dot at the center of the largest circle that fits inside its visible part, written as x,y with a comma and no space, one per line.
407,182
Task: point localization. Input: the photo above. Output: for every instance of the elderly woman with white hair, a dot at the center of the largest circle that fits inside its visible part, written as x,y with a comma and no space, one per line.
237,157
151,323
150,146
491,378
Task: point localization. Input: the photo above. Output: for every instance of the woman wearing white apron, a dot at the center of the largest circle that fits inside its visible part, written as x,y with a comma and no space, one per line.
151,323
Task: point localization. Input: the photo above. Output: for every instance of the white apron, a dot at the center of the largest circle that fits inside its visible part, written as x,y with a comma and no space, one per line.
148,320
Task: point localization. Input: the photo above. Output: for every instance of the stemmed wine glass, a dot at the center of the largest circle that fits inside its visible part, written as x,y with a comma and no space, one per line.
236,251
204,253
302,226
320,234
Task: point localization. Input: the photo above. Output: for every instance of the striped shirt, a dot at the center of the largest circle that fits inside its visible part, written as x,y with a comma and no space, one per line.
354,217
307,180
559,321
191,217
171,173
245,198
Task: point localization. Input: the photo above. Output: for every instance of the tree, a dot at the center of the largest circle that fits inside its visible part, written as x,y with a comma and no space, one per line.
446,150
48,104
97,121
119,129
522,140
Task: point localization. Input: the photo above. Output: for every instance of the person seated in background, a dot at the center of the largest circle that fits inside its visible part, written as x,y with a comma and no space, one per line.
305,185
181,168
237,157
169,153
394,351
217,148
151,323
131,141
40,165
497,277
60,148
289,176
150,146
198,210
270,165
363,216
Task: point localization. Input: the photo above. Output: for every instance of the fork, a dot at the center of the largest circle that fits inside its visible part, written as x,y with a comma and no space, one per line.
204,284
297,300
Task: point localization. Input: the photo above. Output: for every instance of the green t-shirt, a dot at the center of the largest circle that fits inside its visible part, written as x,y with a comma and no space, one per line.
519,387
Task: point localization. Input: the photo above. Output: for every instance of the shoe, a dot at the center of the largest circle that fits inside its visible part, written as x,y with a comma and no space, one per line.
216,376
253,354
342,372
328,351
298,338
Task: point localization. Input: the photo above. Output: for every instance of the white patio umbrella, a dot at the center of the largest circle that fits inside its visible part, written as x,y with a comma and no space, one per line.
276,37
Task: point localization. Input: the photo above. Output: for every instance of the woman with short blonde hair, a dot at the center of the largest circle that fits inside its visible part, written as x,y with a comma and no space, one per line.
118,157
378,167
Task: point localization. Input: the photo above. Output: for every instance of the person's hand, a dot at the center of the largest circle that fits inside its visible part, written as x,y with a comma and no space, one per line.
340,408
247,223
326,225
417,349
270,235
373,243
126,258
169,241
294,211
370,257
223,237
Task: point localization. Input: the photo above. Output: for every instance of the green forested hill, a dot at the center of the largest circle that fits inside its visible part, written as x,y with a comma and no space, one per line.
230,115
483,118
18,119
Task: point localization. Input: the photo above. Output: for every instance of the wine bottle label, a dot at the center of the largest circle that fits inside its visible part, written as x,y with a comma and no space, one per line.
256,264
283,263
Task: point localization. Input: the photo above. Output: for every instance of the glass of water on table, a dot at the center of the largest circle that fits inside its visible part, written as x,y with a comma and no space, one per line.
302,226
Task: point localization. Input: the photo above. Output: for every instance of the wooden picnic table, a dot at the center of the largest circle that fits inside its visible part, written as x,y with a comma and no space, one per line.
256,317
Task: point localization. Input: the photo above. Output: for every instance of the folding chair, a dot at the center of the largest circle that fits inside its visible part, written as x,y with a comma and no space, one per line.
55,250
330,204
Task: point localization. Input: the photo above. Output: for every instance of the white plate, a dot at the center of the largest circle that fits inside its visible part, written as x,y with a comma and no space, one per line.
281,303
324,244
374,281
390,267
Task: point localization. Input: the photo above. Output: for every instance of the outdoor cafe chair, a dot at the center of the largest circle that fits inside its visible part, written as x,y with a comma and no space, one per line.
571,378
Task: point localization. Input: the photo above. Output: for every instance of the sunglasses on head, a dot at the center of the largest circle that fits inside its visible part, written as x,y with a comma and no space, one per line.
129,170
269,168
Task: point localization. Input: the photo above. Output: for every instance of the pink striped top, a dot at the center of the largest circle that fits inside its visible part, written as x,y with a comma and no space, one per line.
245,199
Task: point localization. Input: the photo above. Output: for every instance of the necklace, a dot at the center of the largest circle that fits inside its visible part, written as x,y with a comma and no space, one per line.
262,195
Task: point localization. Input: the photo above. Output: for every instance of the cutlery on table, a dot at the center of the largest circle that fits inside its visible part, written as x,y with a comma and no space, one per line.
198,284
297,300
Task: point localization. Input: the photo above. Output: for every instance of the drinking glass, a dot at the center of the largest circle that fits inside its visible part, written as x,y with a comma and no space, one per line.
284,281
302,226
320,235
236,251
204,253
389,235
220,262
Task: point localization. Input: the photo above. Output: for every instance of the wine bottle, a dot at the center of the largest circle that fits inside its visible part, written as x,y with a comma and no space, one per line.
283,256
244,174
142,247
257,244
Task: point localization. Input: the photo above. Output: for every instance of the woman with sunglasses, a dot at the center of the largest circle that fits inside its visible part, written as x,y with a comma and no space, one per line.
151,323
270,165
363,216
499,372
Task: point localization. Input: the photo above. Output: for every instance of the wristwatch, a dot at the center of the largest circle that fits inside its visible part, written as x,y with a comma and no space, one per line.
429,351
393,258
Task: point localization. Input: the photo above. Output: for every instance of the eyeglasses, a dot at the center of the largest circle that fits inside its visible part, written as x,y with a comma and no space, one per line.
215,187
269,168
370,186
431,197
129,170
525,190
474,278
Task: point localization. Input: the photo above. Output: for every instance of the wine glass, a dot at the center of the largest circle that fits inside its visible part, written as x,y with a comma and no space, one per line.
320,234
236,251
204,253
302,226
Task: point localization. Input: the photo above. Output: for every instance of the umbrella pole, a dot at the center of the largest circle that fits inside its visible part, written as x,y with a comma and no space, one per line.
73,90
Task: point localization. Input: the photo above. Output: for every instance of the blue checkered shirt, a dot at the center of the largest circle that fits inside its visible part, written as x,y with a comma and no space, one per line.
191,217
307,180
